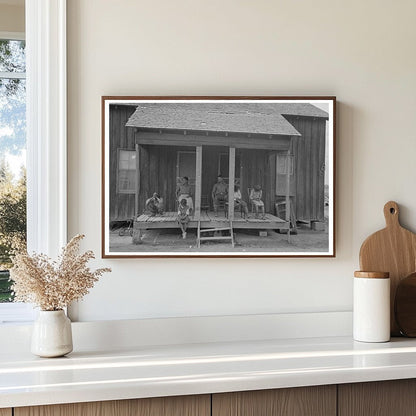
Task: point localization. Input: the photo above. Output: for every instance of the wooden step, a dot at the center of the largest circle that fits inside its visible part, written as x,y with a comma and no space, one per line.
206,230
216,238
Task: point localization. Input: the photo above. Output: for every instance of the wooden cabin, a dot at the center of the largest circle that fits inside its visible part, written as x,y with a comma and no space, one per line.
279,146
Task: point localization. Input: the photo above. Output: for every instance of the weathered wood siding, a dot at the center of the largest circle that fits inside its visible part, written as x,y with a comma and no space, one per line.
259,168
121,137
158,174
309,159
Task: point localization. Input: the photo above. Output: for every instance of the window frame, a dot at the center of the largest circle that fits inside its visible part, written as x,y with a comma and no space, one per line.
46,125
118,188
46,137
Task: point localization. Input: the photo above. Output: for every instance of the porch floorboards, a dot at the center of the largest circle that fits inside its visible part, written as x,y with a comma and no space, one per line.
209,220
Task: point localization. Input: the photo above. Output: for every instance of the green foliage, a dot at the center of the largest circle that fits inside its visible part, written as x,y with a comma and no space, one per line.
6,294
12,98
12,214
12,55
12,142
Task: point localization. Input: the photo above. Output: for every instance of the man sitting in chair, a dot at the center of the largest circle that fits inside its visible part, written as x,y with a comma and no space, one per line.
219,194
184,191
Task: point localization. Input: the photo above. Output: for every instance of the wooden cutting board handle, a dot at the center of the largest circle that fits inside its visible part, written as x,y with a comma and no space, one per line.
391,214
393,250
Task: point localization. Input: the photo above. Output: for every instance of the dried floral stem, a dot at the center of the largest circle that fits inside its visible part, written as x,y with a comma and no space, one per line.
53,285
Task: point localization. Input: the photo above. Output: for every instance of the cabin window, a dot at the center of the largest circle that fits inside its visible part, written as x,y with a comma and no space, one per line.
126,171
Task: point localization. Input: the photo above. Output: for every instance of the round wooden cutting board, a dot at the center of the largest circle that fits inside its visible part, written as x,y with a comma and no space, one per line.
392,250
405,305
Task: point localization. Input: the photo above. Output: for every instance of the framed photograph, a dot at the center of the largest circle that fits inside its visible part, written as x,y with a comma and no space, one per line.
218,176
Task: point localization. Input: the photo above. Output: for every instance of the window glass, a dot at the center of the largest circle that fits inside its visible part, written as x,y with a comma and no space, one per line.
12,55
127,171
12,156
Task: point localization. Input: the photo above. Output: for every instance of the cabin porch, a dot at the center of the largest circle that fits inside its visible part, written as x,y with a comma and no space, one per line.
207,219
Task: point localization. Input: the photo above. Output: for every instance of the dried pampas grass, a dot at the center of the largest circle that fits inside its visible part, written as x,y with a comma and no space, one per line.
53,285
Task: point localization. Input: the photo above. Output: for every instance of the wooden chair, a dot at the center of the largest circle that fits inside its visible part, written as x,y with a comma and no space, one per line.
222,205
253,208
238,208
205,206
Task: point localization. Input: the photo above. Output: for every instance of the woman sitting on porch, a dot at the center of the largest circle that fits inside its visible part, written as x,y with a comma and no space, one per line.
255,198
184,191
238,201
183,216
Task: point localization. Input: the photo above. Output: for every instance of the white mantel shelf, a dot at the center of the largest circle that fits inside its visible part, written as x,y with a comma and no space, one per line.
151,371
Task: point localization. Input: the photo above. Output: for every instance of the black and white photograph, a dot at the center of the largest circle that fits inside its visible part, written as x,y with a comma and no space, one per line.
218,176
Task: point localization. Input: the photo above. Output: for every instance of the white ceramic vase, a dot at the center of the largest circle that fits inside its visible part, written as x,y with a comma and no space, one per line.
52,334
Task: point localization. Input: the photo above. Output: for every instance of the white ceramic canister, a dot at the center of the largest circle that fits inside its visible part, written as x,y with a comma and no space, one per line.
371,310
52,334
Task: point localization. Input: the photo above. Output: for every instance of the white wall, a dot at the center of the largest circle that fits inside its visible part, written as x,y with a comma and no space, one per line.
12,17
361,51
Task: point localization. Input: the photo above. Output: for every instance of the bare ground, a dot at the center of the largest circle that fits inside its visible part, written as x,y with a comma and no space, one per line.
246,241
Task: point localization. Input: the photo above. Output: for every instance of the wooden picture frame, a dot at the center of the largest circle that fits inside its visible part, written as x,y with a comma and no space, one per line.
280,149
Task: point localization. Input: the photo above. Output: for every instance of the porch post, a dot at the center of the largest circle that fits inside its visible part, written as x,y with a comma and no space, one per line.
137,188
231,177
288,168
198,183
288,207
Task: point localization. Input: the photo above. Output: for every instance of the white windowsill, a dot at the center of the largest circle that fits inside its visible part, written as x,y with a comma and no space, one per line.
16,313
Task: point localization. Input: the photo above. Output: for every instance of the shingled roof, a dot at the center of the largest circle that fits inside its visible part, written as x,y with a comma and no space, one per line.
256,118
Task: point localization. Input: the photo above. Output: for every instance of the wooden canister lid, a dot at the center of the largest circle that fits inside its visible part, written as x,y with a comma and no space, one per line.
372,275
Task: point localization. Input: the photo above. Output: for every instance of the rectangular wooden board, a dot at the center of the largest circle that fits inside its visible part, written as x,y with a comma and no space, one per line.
381,398
300,401
160,406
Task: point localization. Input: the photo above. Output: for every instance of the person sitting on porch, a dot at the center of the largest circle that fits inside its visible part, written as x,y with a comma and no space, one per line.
255,198
183,216
219,193
238,201
184,191
154,205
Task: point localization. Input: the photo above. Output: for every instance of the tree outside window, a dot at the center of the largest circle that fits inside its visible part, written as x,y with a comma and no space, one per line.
12,156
